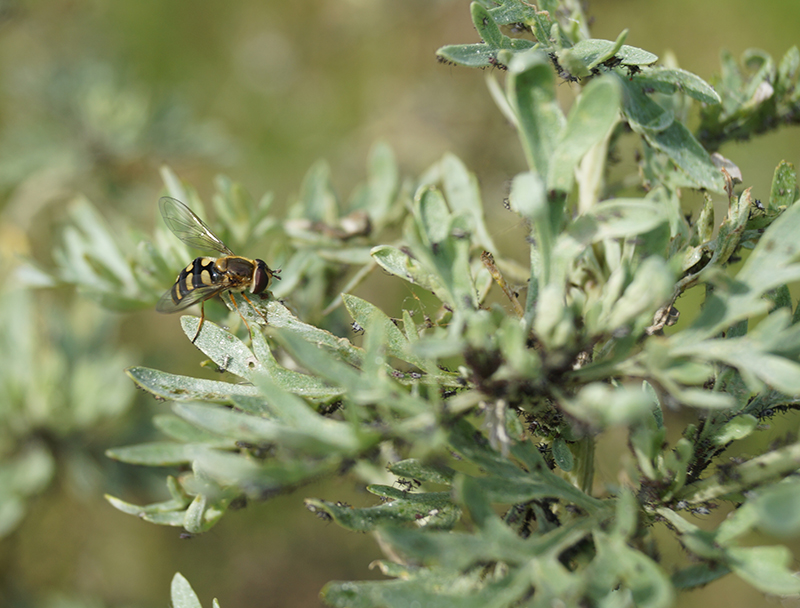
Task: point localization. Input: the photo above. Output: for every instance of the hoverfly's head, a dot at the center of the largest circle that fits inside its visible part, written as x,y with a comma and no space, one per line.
262,277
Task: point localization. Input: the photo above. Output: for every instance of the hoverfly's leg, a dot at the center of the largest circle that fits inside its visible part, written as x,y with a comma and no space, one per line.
263,316
233,300
202,319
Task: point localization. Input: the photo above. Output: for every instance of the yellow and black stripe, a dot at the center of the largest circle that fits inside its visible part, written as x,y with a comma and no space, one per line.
202,272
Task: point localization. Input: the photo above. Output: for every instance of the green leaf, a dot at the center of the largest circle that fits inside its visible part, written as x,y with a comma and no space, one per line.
784,186
647,583
617,218
512,12
591,118
430,589
304,385
739,523
433,216
378,195
493,42
400,264
367,315
652,286
182,431
184,388
778,509
182,594
415,469
602,405
259,479
643,114
318,437
683,149
529,199
670,80
507,483
434,510
318,361
462,192
774,260
222,347
441,243
698,576
160,453
773,263
361,387
736,428
484,23
175,187
468,55
92,257
317,198
204,511
531,91
281,318
787,73
765,568
594,51
665,134
168,513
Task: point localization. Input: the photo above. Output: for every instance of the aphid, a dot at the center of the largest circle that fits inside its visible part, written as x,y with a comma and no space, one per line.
207,277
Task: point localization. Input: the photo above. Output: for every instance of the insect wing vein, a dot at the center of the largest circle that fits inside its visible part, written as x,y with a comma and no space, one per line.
189,228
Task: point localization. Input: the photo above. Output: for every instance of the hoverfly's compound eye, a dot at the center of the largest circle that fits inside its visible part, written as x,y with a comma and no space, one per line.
261,277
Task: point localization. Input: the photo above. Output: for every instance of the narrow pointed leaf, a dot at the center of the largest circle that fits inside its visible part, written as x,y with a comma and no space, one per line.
184,388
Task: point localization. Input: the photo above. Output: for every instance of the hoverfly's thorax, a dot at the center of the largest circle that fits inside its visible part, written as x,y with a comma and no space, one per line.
237,272
236,267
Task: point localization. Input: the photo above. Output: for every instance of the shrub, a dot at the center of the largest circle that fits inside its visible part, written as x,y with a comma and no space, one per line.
487,414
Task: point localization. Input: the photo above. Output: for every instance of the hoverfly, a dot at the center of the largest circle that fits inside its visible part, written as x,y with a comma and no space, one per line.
207,277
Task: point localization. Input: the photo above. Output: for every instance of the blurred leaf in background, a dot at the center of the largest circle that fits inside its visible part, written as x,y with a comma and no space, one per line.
60,384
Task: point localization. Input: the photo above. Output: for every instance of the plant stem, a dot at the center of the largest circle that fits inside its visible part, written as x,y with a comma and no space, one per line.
749,474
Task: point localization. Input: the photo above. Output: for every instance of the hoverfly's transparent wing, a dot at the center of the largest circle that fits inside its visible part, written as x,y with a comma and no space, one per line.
188,227
199,294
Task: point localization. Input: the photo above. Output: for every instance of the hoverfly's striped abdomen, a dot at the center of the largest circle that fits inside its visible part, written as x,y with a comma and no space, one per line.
202,272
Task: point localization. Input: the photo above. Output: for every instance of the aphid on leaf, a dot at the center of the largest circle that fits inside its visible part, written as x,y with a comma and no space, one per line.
207,277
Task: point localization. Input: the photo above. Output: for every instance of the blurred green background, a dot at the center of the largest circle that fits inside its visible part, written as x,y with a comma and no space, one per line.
95,96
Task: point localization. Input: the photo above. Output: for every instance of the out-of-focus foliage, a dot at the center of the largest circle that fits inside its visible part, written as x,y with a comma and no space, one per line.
83,123
756,97
60,381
